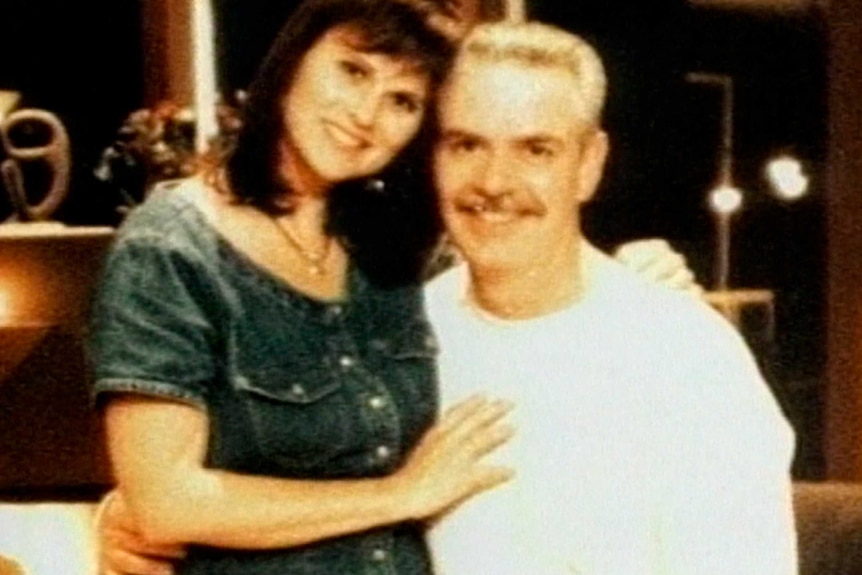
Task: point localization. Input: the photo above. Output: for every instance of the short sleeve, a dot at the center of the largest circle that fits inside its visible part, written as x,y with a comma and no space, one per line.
728,505
151,332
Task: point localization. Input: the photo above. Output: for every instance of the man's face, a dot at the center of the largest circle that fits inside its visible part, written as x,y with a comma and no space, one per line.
513,163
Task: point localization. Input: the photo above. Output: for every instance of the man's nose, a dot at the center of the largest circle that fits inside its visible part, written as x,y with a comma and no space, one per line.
495,177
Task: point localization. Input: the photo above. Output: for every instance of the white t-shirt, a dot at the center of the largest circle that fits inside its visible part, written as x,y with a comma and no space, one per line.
647,441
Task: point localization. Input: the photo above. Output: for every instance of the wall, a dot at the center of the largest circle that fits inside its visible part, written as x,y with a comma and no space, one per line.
844,392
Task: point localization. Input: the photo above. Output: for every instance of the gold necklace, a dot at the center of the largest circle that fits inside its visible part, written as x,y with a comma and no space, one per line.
314,262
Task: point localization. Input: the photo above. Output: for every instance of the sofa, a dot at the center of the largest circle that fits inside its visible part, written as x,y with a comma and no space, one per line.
829,523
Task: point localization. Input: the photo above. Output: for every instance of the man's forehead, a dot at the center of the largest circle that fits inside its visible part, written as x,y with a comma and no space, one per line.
518,82
483,92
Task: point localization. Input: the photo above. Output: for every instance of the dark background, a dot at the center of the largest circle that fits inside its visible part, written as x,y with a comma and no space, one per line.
83,61
665,138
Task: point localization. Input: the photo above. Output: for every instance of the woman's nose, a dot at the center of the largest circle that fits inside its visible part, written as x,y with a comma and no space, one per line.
365,107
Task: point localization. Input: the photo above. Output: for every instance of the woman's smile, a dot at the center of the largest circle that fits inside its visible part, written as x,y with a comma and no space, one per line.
350,112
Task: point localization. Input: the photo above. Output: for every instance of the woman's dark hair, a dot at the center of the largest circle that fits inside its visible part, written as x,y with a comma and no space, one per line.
387,229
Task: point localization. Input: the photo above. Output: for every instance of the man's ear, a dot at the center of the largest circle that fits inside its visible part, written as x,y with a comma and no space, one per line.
594,152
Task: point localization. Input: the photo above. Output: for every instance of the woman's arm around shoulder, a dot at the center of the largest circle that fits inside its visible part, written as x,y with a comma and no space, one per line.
656,261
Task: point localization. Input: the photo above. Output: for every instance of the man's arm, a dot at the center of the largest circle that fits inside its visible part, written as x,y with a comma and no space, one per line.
727,505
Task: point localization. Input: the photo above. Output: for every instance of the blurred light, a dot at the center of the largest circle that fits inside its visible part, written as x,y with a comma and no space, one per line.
8,101
204,74
725,200
786,178
5,305
16,308
516,10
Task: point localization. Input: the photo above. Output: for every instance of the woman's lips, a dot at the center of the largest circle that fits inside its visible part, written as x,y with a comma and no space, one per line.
346,137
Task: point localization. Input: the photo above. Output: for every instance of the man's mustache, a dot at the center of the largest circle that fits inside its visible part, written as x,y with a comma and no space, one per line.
499,203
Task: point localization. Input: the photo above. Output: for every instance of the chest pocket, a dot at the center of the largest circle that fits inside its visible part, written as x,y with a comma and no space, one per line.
408,360
301,420
409,357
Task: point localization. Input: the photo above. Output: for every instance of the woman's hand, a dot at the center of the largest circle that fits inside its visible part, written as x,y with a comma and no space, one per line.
122,549
657,261
448,465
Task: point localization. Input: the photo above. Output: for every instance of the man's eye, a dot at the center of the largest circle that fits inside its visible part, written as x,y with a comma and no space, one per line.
353,69
540,150
463,146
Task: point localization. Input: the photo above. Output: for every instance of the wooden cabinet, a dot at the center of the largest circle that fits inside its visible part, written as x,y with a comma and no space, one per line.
50,443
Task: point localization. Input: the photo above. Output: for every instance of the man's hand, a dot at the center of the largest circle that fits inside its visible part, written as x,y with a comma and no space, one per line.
122,550
657,261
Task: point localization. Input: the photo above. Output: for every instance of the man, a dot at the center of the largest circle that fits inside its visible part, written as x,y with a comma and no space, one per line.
646,440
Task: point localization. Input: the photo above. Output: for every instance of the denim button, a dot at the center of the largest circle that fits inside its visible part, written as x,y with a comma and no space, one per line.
297,390
346,361
333,312
379,555
377,402
383,452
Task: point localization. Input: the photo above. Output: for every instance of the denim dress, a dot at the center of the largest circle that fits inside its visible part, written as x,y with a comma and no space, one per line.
293,387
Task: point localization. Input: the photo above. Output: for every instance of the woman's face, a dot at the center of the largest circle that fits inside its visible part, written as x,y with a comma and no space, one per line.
348,112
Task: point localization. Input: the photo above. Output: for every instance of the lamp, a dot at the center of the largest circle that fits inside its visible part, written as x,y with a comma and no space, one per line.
725,199
787,179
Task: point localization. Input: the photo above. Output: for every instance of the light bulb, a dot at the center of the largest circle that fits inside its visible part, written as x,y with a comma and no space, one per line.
786,178
725,200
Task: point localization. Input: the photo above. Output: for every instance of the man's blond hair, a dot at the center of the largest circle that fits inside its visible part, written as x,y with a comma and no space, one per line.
537,45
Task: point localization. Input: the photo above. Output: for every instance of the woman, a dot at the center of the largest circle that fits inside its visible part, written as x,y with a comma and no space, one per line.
235,345
262,359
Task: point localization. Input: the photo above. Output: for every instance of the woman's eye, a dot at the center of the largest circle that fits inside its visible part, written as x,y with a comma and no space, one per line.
353,70
407,103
